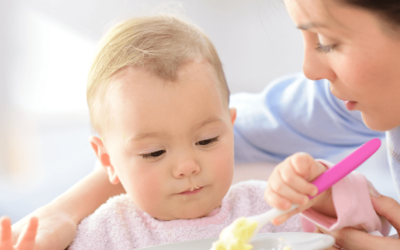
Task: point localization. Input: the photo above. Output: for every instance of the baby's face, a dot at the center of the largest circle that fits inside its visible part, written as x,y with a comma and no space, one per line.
171,143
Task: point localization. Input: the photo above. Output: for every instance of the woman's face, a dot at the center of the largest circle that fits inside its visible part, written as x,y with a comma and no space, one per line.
357,52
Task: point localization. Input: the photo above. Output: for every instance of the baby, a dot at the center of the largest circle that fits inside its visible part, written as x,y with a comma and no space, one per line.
158,98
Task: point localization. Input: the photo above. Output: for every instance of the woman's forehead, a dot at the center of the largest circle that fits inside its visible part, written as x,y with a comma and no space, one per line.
308,13
333,16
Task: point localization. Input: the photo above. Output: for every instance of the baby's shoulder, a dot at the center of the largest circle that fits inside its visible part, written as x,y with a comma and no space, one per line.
114,207
104,225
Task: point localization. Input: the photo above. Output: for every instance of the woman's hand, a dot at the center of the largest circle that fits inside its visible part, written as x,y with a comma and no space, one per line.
290,184
352,239
26,240
55,231
59,219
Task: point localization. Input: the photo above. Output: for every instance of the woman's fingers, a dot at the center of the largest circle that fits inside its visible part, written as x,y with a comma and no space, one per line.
352,239
6,234
349,238
389,209
26,240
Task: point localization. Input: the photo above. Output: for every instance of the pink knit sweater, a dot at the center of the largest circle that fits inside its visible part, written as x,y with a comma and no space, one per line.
119,224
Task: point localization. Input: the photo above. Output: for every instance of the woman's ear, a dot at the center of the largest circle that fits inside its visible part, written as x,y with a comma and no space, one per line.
232,111
104,158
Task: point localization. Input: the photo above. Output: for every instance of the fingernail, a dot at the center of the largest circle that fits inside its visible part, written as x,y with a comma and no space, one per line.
287,205
372,190
337,246
315,192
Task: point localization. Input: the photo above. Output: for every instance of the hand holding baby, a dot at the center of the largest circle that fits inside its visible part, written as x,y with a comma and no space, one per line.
26,240
290,183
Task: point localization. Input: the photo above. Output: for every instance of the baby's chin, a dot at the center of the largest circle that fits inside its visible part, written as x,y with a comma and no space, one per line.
186,213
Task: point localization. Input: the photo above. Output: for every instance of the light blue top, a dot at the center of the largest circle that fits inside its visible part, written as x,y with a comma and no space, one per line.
294,114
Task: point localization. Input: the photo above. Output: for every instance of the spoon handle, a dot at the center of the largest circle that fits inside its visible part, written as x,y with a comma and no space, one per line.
264,218
346,166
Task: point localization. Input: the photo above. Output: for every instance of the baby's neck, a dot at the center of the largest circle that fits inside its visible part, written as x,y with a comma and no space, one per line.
212,213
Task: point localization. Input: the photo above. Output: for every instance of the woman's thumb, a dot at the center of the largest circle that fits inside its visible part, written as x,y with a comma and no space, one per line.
389,209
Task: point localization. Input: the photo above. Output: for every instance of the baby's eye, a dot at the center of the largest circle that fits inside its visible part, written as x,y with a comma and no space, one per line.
153,154
207,142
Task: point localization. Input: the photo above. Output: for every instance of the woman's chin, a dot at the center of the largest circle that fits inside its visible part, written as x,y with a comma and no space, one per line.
378,124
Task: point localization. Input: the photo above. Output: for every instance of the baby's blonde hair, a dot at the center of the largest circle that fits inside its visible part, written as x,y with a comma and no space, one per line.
160,44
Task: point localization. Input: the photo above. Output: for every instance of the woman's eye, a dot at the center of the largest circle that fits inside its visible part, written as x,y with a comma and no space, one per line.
153,154
325,48
208,141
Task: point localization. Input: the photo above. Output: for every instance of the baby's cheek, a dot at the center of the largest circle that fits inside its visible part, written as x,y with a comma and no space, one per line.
145,192
224,165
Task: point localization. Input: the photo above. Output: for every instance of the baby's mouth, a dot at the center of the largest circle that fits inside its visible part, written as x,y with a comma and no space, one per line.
192,190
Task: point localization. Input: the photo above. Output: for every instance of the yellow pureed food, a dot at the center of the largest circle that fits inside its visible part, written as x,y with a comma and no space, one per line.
236,236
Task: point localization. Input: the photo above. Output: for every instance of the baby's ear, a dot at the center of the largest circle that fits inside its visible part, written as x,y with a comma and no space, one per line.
104,158
232,112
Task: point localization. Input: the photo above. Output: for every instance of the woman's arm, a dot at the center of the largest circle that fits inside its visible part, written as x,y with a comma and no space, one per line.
58,220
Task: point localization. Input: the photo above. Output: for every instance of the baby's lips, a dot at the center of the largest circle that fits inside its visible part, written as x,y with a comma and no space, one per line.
191,189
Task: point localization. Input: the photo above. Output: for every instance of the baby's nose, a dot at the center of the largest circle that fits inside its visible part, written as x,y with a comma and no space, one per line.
187,168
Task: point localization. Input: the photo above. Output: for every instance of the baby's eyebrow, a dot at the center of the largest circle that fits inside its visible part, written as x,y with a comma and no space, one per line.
208,121
141,136
144,135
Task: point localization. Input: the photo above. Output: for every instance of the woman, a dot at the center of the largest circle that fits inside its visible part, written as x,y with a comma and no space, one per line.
355,45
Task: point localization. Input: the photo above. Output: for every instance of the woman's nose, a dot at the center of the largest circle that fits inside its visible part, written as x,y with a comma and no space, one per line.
186,167
316,65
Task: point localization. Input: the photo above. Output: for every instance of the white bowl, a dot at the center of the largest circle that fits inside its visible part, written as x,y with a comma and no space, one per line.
266,241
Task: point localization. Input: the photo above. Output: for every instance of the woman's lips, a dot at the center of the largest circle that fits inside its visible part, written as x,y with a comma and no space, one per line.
188,192
350,105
